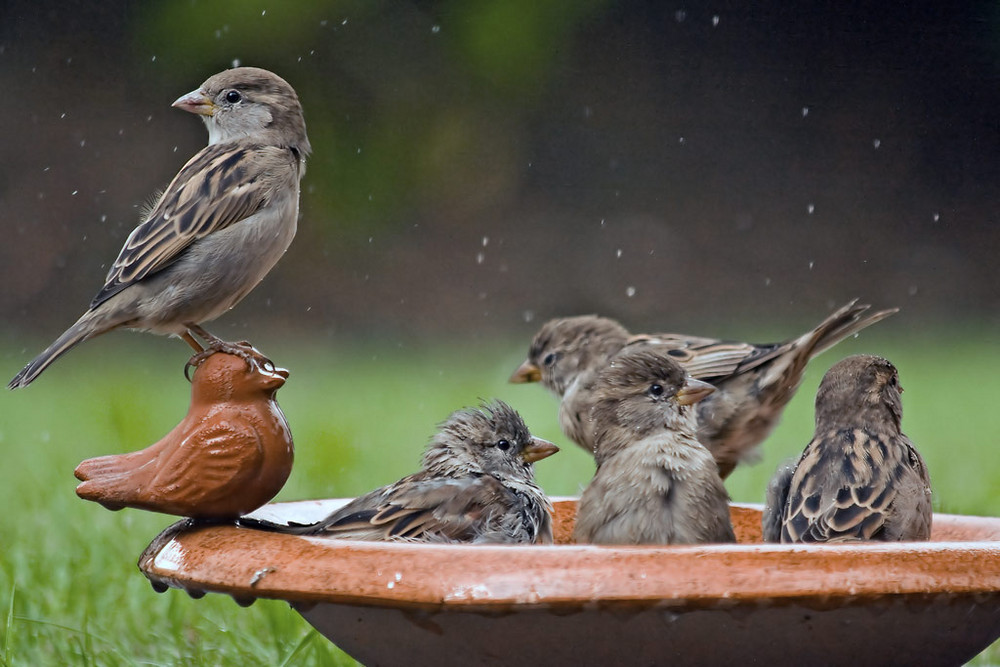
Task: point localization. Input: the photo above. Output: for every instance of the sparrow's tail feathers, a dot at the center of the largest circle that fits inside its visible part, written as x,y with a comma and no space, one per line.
84,328
847,321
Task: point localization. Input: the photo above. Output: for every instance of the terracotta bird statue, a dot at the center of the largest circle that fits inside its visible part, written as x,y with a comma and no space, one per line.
231,454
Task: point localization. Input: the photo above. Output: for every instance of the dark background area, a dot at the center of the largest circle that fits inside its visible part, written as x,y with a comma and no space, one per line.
480,166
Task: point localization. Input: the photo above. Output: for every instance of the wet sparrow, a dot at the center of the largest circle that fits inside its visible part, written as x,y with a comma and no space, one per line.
859,478
655,483
477,484
755,382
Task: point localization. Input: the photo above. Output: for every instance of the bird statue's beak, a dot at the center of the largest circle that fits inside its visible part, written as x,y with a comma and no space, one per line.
195,102
526,372
538,449
693,391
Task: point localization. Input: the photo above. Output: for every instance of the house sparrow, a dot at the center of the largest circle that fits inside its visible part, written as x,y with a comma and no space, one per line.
859,478
655,483
755,382
476,484
230,454
218,228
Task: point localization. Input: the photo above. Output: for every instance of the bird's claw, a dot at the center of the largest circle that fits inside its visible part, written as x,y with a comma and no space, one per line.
243,349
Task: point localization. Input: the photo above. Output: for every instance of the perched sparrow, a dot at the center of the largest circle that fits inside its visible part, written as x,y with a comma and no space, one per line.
755,382
222,223
476,484
231,453
655,483
859,478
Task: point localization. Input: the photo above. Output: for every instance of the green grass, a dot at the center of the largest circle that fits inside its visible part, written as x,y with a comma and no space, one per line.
70,591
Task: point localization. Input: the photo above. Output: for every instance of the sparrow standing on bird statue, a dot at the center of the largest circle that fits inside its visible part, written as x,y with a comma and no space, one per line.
219,227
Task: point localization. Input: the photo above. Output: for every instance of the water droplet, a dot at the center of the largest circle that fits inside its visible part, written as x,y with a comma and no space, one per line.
391,585
630,291
528,315
876,143
805,111
486,241
715,20
618,253
480,258
811,264
767,282
680,15
680,140
435,29
810,208
937,216
913,290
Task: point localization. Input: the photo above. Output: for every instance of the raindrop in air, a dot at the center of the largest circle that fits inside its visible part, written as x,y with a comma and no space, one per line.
810,208
715,20
876,143
630,291
805,111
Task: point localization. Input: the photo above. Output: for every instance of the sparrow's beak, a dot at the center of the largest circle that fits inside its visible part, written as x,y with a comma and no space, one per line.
538,449
526,372
693,391
195,102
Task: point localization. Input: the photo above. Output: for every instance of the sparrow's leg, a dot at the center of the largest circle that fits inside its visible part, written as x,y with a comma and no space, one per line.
243,349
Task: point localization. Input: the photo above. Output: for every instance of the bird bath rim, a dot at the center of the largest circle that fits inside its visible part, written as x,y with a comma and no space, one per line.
962,558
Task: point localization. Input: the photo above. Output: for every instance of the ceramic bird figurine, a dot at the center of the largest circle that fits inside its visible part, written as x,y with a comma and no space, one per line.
755,381
860,478
231,454
477,484
655,483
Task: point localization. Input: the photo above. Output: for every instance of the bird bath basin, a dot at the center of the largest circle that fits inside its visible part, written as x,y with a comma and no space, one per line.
926,603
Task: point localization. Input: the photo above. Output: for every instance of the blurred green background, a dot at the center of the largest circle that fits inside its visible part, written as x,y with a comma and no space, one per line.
480,166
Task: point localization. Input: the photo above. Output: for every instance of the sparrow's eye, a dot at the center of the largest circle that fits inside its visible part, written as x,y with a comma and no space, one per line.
233,96
656,390
503,445
549,359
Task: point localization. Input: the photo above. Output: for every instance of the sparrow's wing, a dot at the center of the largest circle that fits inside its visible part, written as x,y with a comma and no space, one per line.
712,359
218,187
845,487
708,358
419,507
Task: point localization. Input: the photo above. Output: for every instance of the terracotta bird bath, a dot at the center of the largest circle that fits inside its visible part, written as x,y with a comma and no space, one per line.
930,603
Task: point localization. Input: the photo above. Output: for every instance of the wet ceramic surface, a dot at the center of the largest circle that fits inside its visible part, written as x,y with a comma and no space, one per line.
230,454
934,602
